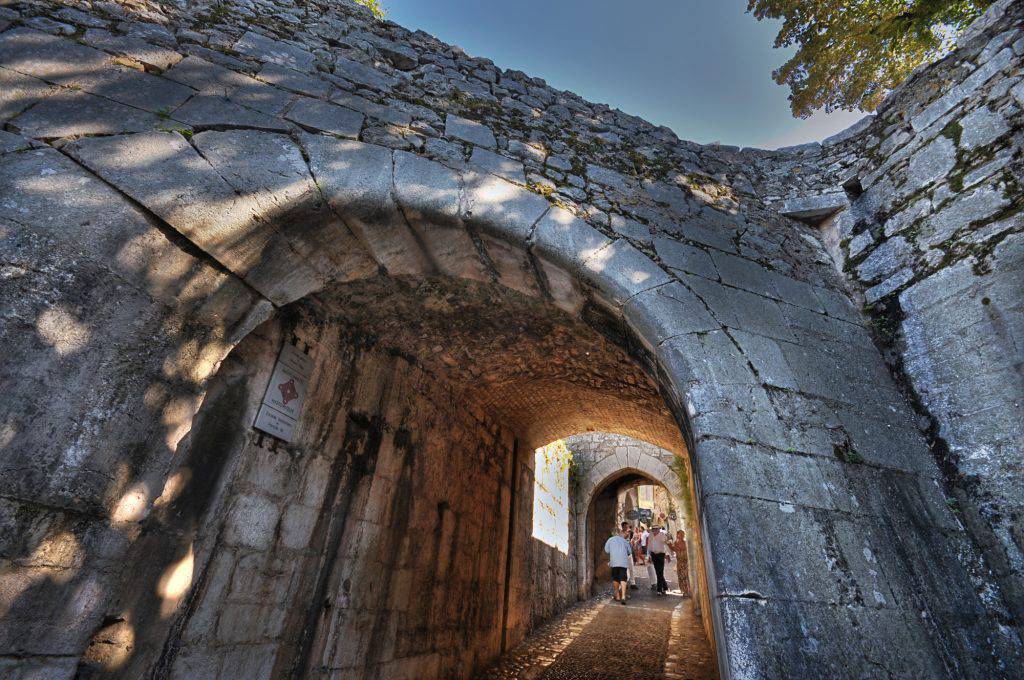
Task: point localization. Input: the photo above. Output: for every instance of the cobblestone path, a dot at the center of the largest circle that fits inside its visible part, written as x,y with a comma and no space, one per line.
650,638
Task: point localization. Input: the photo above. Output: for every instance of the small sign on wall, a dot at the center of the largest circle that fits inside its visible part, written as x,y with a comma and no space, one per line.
282,402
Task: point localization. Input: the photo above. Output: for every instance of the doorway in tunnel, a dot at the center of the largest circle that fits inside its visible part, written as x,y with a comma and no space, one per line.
642,503
395,534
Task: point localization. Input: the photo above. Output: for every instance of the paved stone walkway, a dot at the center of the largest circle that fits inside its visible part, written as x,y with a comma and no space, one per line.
651,638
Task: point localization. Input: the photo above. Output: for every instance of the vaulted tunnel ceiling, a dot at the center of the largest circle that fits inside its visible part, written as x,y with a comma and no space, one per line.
521,360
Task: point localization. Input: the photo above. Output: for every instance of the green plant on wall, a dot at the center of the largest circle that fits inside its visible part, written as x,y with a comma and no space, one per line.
682,471
558,457
374,6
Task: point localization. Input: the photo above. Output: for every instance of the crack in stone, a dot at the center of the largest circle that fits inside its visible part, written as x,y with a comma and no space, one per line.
172,235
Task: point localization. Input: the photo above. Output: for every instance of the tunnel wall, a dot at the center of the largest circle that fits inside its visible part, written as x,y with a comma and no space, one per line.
391,507
600,525
173,175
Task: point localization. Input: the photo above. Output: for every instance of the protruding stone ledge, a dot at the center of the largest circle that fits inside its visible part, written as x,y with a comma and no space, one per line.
813,209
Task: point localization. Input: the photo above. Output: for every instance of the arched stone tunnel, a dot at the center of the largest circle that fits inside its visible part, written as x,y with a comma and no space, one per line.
378,540
192,195
610,463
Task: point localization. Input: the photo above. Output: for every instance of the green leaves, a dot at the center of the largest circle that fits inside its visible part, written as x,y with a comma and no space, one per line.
374,6
850,53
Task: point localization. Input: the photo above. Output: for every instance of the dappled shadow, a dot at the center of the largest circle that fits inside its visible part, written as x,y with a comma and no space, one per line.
148,224
147,583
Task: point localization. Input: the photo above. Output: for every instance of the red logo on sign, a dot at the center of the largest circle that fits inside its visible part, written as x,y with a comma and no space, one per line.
288,391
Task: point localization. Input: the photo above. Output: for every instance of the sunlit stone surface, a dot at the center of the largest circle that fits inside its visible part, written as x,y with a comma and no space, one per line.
816,352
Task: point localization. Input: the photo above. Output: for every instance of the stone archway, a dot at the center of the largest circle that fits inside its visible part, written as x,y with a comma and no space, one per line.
599,522
609,458
138,261
259,225
411,218
612,457
563,263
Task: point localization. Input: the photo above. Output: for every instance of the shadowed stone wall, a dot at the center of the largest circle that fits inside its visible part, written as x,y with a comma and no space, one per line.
173,174
375,542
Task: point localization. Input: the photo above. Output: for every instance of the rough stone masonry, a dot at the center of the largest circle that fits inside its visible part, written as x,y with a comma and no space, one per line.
827,338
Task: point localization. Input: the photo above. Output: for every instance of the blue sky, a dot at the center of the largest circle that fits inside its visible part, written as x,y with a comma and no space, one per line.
701,67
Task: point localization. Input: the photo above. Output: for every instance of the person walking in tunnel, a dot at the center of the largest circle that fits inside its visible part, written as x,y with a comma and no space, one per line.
634,541
657,546
617,548
682,562
634,554
652,575
627,534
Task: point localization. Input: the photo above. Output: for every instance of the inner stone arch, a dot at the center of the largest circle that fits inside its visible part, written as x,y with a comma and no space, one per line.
391,537
601,522
610,462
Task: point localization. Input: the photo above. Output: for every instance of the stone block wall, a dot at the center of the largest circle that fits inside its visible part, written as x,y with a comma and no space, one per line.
77,480
171,175
933,236
376,542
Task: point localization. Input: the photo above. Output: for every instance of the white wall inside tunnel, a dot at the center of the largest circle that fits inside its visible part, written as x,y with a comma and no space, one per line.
551,501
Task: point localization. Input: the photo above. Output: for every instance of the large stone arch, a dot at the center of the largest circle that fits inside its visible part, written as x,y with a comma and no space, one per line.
560,264
284,231
136,262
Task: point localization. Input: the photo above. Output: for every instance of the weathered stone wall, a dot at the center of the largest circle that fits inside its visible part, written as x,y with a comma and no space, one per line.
931,233
91,418
600,525
376,542
173,174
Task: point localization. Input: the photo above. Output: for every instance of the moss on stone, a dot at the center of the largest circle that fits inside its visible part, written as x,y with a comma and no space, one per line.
846,453
954,131
214,16
475,106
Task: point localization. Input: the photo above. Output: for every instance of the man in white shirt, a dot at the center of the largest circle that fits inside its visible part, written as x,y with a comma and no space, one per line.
627,534
657,546
652,577
618,550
